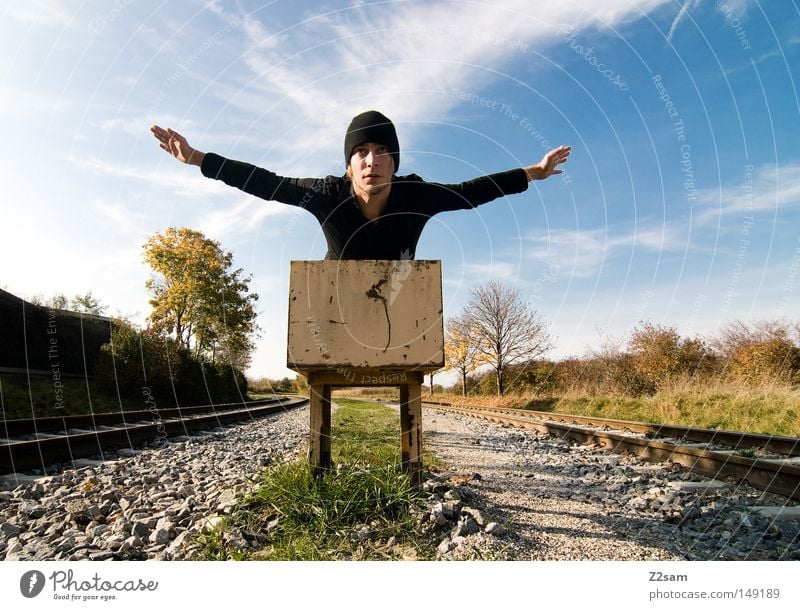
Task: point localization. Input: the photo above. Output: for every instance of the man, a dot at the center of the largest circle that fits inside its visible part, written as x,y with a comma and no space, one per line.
370,212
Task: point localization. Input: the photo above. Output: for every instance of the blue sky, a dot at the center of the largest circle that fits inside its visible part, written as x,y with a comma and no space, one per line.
680,203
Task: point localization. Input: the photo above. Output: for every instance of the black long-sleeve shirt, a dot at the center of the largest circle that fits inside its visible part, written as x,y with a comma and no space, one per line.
350,235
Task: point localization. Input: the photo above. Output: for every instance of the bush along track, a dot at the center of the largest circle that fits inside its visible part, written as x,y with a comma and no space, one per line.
363,508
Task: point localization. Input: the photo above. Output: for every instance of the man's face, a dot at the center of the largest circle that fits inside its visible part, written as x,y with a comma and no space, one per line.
372,167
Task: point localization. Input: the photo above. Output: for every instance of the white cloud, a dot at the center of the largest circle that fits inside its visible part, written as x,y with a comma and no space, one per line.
29,104
689,4
583,252
243,218
331,66
139,126
128,81
733,9
766,188
186,181
121,216
494,270
40,12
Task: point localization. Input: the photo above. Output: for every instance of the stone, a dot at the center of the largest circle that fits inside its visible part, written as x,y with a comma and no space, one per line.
10,530
14,552
445,546
452,494
176,544
364,533
160,536
235,540
32,510
66,544
140,529
495,529
226,500
134,542
209,523
451,509
101,530
114,541
746,520
480,517
438,516
101,555
465,527
78,510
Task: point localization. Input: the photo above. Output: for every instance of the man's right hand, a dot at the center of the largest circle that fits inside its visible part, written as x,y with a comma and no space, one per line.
176,145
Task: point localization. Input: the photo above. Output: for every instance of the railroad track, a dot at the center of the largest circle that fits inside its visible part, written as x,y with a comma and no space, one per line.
28,444
769,463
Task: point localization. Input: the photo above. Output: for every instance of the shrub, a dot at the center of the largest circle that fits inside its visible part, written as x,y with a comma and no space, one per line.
762,352
659,354
770,361
138,366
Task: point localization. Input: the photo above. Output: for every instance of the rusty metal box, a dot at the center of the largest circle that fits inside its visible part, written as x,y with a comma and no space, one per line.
365,314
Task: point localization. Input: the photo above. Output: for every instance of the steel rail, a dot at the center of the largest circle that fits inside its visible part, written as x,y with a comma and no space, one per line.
26,455
775,476
62,423
784,445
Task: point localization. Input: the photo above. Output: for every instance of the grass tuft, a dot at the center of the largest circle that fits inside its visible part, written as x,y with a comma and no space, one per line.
348,513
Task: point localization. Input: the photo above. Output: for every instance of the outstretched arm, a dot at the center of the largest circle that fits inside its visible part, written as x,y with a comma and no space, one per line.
470,194
176,145
549,164
308,193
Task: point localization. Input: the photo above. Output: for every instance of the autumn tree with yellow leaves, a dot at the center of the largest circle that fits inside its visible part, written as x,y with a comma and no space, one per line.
198,299
461,349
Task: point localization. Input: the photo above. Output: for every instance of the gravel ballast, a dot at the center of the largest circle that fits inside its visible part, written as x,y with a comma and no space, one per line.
507,494
144,504
562,501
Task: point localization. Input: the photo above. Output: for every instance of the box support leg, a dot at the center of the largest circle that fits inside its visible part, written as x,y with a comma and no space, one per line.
411,431
320,428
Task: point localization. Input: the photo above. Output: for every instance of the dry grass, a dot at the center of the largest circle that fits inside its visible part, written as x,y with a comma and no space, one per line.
769,409
374,393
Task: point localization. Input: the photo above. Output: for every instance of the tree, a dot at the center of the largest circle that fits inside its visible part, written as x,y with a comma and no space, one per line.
86,303
506,328
197,298
462,353
57,301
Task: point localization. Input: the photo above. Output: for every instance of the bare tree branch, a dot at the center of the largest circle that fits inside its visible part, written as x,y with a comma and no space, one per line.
506,329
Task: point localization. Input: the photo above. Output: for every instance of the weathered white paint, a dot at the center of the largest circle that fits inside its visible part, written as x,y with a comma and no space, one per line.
365,314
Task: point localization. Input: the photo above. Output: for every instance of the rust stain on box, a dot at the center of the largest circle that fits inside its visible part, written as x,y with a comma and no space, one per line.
373,314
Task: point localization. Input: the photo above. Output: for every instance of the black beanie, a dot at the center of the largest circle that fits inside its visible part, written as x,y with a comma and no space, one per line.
371,126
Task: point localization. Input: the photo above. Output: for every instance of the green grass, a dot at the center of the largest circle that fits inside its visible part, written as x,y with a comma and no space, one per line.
21,400
762,411
349,513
